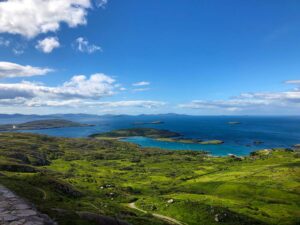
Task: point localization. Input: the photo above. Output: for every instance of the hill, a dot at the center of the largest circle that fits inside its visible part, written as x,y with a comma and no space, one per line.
41,124
84,181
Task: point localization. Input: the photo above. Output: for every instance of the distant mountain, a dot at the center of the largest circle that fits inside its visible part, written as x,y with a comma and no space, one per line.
20,118
80,117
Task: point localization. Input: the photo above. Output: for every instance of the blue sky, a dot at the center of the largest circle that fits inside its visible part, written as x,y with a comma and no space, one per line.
182,56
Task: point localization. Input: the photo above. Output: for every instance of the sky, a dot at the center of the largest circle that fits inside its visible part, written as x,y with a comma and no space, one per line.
198,57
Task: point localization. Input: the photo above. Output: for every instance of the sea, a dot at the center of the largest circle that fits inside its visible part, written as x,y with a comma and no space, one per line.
249,134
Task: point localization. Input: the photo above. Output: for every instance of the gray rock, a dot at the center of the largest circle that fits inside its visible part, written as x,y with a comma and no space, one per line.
26,213
9,218
21,206
16,211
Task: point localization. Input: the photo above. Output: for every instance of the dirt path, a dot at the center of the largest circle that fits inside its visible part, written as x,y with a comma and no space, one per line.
43,192
159,216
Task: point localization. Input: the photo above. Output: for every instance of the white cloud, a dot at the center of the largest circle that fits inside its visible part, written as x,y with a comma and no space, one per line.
101,3
252,102
4,42
48,44
9,69
19,47
81,103
140,89
292,82
79,92
18,51
132,103
141,83
78,87
98,85
82,45
32,17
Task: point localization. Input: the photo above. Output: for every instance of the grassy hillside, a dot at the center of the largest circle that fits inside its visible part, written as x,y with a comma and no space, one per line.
40,124
77,181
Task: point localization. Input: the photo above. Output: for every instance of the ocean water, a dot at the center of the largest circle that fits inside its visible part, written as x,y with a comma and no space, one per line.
239,139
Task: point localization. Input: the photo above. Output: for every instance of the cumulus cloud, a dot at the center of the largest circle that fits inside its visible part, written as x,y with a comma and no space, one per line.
141,83
246,102
80,87
30,18
48,44
9,69
82,45
79,91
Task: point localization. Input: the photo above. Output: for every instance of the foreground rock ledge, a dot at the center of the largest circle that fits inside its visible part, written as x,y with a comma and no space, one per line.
16,211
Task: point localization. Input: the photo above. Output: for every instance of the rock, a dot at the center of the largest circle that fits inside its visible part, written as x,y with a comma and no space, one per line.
217,219
9,218
19,222
237,158
22,206
170,201
26,213
296,146
15,211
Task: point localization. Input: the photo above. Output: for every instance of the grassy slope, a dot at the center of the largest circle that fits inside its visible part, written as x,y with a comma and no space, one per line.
103,176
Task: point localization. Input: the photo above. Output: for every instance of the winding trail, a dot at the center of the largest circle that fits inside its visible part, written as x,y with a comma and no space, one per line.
159,216
43,192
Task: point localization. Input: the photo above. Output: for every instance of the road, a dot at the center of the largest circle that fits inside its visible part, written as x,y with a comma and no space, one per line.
159,216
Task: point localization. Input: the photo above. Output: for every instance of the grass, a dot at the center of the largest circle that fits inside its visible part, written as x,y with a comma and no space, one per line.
103,176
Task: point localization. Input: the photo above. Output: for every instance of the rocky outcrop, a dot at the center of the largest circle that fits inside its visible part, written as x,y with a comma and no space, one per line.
16,211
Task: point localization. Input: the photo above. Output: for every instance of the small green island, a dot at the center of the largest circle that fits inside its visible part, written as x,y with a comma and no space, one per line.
137,132
152,122
157,134
234,122
41,124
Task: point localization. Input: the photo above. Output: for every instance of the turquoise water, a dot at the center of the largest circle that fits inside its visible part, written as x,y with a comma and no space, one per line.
219,150
239,139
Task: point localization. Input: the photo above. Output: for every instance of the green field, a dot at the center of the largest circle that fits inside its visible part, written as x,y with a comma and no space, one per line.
75,180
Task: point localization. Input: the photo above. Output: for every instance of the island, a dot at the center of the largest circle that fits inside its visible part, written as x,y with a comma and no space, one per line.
137,132
152,122
41,124
156,134
234,122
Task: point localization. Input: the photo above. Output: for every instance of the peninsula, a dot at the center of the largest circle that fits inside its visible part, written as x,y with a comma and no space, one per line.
41,124
157,134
